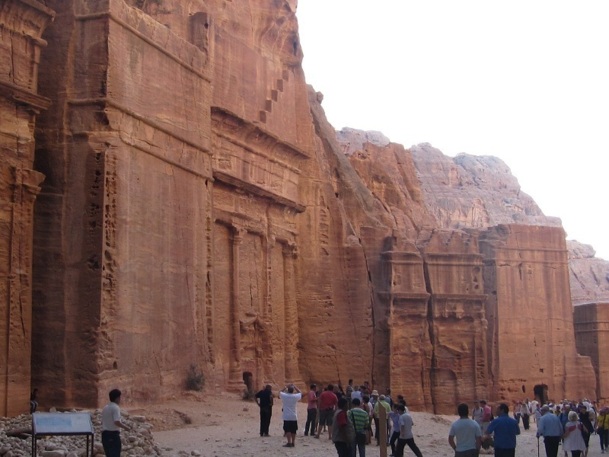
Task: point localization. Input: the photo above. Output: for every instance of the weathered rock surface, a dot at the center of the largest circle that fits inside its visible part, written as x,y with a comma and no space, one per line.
474,191
589,275
199,210
21,27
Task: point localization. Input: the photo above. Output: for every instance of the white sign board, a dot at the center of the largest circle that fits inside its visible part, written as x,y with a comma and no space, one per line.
62,423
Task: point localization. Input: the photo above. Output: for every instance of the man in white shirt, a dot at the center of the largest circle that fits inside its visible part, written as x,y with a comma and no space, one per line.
111,425
290,396
406,435
357,393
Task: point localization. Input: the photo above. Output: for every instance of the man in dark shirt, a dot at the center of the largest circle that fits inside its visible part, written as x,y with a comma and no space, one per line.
584,418
264,399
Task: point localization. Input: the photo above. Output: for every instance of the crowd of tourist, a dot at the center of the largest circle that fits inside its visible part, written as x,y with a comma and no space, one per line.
351,418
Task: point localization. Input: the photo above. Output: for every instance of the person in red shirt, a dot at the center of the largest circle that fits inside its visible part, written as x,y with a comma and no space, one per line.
327,404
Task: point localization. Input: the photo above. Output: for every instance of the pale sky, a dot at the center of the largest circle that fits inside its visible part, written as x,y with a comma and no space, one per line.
525,81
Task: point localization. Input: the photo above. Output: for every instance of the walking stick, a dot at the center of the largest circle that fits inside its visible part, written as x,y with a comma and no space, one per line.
538,447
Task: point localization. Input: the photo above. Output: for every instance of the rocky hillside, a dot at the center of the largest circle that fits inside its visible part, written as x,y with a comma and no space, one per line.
469,191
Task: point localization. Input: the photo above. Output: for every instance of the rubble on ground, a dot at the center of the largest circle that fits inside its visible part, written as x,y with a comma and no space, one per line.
16,439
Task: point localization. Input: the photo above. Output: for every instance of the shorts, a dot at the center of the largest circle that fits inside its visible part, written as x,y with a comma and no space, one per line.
290,426
325,416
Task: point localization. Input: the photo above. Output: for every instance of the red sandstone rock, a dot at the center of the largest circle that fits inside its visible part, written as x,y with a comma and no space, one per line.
198,209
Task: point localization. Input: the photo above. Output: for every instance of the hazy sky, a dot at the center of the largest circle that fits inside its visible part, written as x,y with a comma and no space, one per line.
526,81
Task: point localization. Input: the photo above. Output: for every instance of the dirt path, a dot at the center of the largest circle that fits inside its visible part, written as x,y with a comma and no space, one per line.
223,425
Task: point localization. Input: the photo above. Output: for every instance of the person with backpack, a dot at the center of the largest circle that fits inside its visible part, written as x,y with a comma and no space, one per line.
343,433
588,428
504,430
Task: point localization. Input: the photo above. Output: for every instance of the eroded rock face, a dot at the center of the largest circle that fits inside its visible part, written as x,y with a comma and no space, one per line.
589,275
198,209
474,191
22,24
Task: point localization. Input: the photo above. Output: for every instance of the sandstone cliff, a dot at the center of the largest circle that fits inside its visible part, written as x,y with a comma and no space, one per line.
199,210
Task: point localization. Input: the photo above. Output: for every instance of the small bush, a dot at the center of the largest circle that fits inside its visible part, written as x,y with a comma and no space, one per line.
195,379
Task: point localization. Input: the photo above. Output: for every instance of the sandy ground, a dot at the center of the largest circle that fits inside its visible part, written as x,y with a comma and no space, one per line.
223,425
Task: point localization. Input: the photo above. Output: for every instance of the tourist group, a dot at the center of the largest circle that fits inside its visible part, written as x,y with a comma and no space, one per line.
351,419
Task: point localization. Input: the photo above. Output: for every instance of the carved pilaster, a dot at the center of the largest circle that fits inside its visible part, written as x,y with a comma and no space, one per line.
270,242
290,252
235,375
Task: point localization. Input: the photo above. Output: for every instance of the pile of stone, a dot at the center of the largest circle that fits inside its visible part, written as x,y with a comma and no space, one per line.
16,439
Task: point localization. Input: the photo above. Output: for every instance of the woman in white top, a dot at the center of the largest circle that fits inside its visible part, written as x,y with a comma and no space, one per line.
573,439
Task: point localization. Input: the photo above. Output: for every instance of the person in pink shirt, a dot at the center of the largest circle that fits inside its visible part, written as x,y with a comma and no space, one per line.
487,415
311,410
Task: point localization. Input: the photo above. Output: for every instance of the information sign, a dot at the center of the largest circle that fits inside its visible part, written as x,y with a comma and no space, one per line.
49,424
62,423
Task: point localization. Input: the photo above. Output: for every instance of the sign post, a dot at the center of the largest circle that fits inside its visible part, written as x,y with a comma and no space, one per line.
383,430
62,424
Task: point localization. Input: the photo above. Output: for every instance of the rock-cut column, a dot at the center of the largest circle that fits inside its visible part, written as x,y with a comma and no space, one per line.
291,315
235,381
